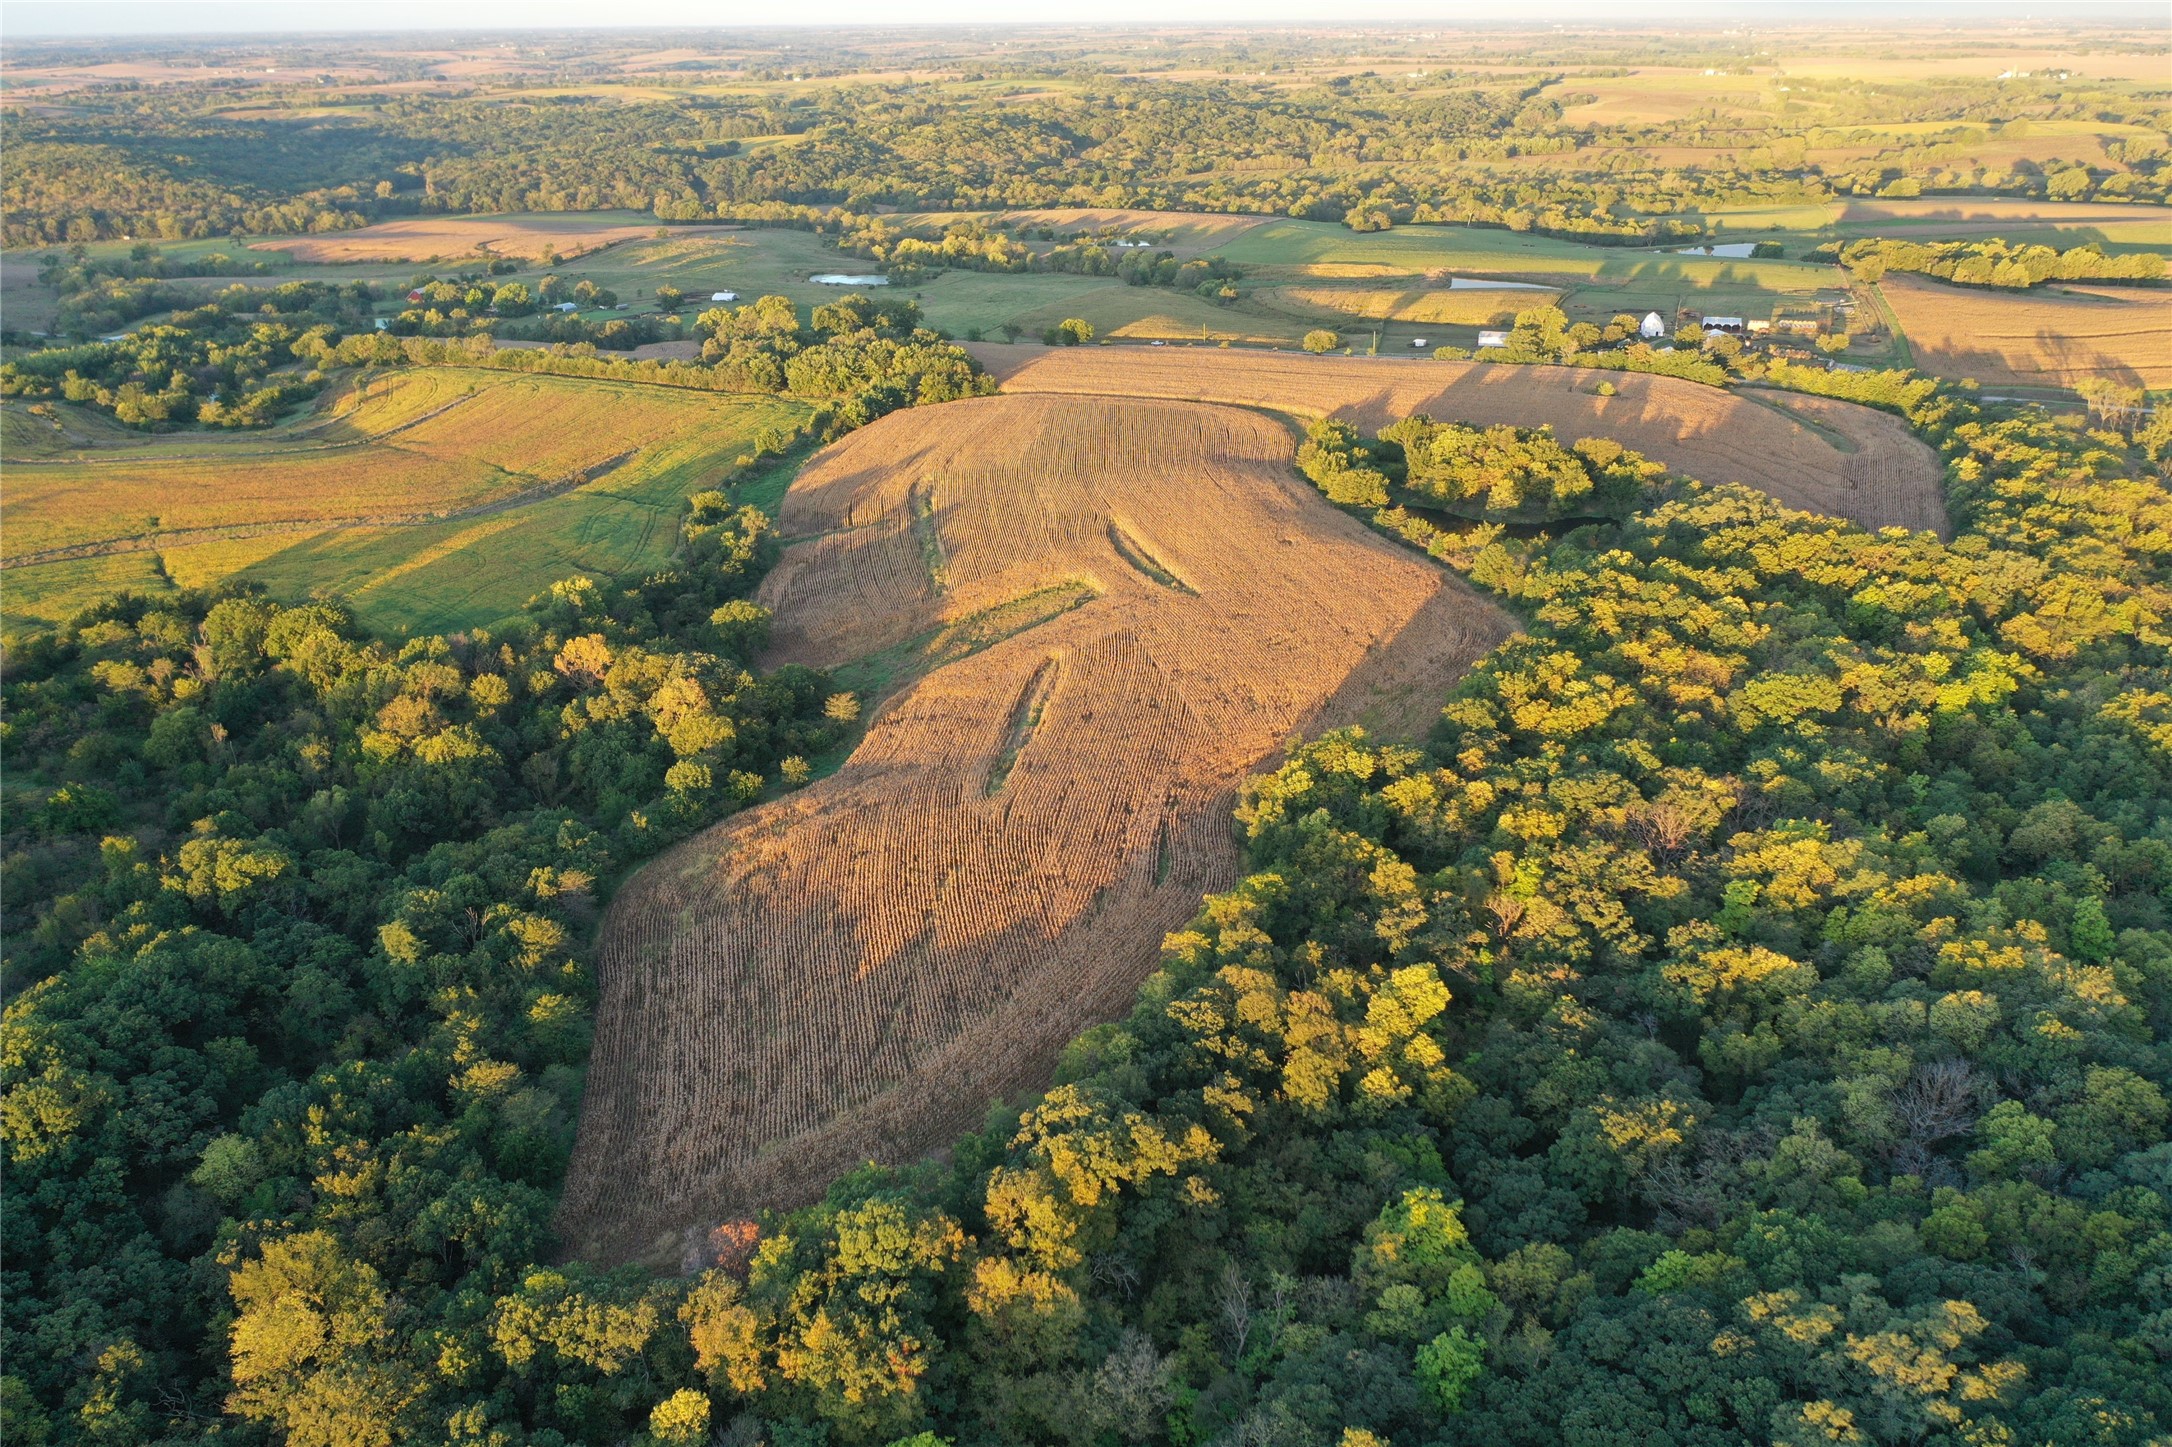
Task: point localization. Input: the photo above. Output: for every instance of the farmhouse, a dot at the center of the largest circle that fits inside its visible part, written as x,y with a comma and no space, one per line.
1491,338
1651,328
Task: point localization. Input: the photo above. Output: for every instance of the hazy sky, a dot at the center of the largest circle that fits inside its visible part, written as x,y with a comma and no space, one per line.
29,18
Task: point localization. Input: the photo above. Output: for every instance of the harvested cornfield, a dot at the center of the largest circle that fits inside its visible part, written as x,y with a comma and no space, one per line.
1142,604
1428,306
1830,457
2054,337
450,238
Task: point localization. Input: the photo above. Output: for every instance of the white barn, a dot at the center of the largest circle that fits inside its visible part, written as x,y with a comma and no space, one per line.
1652,327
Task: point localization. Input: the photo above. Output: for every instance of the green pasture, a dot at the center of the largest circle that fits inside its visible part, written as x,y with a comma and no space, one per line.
440,576
1150,313
1599,280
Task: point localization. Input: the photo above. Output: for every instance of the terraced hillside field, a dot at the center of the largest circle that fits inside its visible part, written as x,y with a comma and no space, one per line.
1116,613
1809,452
432,498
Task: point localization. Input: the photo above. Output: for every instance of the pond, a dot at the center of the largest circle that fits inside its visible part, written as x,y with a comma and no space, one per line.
1472,283
1740,250
838,278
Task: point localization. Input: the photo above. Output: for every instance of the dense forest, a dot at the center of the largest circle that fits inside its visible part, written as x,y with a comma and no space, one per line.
1742,1019
1371,149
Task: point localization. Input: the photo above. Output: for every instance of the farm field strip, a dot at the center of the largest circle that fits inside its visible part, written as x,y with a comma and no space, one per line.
854,970
1890,479
1419,305
2052,337
439,238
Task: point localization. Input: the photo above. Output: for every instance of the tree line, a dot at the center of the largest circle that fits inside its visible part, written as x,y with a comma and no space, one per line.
1992,262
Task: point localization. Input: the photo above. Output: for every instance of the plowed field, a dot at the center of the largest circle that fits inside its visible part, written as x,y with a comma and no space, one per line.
1809,452
1122,611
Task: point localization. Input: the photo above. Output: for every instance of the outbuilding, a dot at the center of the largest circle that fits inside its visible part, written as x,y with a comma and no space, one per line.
1492,339
1652,327
723,296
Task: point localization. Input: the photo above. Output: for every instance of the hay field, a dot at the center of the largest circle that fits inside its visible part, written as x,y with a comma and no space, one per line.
445,238
857,969
429,497
1824,456
1423,306
2053,337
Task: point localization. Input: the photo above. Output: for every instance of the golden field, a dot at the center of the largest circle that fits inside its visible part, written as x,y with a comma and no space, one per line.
852,971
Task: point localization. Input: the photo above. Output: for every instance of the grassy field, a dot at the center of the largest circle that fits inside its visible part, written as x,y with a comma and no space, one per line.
1183,232
850,972
430,499
1596,281
1147,313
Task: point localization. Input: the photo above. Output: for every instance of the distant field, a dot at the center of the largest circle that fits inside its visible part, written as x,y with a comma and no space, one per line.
1809,452
431,499
1187,233
1595,281
435,238
2013,219
1151,313
854,970
2049,338
1424,306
